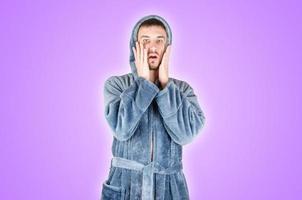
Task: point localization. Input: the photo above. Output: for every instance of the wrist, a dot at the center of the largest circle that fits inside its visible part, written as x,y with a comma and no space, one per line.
163,85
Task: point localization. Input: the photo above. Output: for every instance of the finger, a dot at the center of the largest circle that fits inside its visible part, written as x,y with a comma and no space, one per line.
168,53
141,52
137,52
134,52
145,57
166,57
168,50
138,55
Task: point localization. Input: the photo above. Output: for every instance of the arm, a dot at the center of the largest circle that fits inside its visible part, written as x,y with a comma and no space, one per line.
124,108
181,113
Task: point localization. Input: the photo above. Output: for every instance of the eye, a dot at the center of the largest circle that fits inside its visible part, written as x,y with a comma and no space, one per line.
145,41
159,41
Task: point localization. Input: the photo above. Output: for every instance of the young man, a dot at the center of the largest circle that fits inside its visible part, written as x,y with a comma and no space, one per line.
151,116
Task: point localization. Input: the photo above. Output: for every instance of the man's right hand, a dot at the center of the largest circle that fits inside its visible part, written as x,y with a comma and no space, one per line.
141,61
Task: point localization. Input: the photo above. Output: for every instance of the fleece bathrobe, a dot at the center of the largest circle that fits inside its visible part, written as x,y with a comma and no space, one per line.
149,127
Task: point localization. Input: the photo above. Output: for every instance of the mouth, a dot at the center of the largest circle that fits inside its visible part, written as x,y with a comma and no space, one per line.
153,57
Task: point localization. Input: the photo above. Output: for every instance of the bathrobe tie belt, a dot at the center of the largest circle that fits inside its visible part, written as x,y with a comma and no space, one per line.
148,171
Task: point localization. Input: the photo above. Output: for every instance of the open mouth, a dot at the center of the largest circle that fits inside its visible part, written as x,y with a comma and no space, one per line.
153,57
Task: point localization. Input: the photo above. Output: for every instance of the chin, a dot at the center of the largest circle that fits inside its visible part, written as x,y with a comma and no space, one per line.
153,67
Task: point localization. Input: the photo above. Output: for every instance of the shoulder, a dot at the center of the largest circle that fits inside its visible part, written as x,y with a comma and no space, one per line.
182,85
120,81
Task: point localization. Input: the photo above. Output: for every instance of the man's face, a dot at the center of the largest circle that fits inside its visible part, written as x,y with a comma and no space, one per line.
154,39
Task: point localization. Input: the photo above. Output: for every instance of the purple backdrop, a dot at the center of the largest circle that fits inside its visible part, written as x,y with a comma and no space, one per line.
243,59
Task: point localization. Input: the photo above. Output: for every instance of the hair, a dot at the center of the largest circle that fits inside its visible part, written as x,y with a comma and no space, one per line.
153,22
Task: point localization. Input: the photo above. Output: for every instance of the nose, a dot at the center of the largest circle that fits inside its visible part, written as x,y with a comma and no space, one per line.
152,46
152,49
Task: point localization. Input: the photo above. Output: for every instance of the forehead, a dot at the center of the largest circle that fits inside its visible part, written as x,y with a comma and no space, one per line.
151,31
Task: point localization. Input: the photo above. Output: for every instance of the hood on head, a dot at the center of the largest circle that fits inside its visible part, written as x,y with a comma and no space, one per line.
134,38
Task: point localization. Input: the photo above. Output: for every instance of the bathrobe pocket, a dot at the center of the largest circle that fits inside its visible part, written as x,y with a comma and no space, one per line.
111,192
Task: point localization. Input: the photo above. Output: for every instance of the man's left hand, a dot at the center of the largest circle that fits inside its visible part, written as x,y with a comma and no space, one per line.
163,68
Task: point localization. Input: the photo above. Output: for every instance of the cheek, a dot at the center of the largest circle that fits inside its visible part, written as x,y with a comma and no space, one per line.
162,49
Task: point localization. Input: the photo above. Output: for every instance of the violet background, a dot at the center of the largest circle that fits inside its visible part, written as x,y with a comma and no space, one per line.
243,59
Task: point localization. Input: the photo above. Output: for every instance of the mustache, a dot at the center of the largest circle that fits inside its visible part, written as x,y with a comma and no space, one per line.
153,55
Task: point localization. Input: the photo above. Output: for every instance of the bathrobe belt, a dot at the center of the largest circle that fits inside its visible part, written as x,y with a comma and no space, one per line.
148,171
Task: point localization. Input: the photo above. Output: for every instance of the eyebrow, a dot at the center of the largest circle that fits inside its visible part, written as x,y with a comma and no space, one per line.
149,37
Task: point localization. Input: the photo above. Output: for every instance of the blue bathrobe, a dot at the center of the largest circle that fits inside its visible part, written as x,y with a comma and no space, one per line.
149,128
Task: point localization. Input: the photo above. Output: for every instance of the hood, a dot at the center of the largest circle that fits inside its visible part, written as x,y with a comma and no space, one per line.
134,38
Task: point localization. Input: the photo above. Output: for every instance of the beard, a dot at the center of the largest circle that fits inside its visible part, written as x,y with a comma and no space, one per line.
154,65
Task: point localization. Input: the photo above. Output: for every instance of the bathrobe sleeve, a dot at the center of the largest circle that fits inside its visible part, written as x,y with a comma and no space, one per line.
125,107
181,113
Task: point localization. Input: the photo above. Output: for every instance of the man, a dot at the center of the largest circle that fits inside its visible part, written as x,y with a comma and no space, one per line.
151,116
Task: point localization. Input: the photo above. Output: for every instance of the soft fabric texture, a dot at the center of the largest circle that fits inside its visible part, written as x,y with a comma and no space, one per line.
140,114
